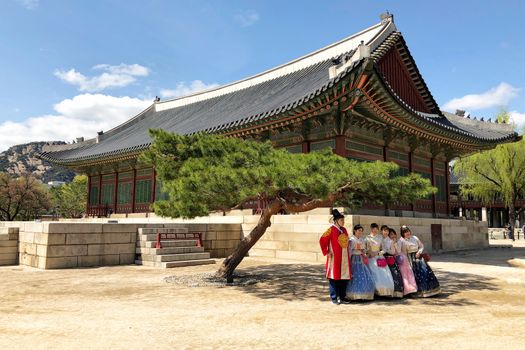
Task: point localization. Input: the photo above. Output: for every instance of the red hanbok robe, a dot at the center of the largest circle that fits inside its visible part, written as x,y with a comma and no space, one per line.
334,245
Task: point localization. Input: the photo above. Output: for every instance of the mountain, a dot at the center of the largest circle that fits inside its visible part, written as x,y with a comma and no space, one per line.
22,158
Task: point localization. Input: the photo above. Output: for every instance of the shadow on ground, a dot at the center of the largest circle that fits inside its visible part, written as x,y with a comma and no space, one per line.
302,281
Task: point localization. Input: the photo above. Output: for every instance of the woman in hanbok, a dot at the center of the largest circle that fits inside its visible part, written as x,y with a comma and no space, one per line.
427,283
361,286
383,281
391,250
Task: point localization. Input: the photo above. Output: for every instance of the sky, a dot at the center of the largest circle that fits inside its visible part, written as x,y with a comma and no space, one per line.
72,68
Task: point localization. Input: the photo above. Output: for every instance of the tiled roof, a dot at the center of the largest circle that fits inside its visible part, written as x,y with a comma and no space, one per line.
243,102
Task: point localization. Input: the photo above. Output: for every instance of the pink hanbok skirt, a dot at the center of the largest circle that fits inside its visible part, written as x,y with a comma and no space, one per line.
409,281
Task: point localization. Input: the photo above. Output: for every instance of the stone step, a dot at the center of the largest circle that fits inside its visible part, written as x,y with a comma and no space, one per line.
169,250
144,230
168,244
171,264
176,257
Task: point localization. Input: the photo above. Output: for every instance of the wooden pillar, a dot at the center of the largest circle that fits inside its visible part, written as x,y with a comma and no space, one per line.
100,189
385,152
433,181
133,190
340,147
115,193
306,147
447,180
411,169
88,203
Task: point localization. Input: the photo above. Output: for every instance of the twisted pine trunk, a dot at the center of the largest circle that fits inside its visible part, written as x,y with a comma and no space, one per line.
231,262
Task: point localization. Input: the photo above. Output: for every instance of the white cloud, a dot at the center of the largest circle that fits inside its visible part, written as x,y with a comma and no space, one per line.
112,76
182,89
517,118
29,4
82,115
497,96
246,17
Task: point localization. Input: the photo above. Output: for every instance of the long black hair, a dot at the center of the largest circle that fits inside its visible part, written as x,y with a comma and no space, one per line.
404,229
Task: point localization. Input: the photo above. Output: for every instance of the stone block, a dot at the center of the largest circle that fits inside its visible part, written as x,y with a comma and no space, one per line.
89,260
106,228
8,262
109,260
61,262
277,245
281,228
210,235
299,256
229,235
321,219
9,243
4,237
126,258
75,227
318,229
83,238
41,250
297,236
56,238
9,250
198,228
111,249
305,247
27,259
28,237
269,253
67,250
33,227
28,248
223,227
9,255
251,219
290,219
225,244
120,237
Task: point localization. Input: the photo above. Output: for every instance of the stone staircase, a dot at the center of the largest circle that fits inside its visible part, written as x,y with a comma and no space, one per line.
181,249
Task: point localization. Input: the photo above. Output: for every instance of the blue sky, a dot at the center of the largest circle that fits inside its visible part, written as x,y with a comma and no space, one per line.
71,68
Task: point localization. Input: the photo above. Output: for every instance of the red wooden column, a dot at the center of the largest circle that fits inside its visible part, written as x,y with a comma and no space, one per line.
433,181
100,189
411,169
447,179
115,193
133,190
340,147
306,146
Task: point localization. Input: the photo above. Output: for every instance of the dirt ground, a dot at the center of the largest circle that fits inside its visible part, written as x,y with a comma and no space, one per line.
482,306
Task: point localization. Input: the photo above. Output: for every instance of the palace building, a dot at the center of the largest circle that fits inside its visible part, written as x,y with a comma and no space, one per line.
363,96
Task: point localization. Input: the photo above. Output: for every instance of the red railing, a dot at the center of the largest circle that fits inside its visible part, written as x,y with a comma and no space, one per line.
178,236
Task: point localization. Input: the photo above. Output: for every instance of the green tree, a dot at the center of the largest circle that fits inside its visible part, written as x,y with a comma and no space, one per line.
204,173
70,199
497,173
22,198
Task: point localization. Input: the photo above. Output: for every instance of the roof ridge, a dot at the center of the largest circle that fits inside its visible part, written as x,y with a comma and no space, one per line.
330,51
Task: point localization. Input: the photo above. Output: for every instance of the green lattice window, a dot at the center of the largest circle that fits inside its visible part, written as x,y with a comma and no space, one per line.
441,184
317,146
93,195
422,162
294,149
143,191
398,155
355,146
107,193
124,193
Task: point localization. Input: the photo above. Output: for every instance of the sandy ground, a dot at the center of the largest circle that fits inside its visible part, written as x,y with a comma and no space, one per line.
131,307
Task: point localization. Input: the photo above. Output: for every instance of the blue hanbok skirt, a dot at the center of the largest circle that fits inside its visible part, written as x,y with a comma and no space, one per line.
427,283
361,286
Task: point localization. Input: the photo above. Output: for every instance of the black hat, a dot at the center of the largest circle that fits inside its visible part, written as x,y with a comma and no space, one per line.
337,215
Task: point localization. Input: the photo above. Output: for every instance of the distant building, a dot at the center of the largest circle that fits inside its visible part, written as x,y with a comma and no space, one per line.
363,96
56,183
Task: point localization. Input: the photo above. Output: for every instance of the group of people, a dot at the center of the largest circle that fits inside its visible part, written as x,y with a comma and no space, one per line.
382,264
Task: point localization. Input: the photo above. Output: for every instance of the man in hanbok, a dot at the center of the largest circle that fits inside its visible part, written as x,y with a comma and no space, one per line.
334,245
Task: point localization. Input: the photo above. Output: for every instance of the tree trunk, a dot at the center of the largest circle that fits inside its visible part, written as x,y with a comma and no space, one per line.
231,262
512,218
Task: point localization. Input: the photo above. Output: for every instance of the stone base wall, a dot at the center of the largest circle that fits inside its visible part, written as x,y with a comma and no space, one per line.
8,246
296,237
54,245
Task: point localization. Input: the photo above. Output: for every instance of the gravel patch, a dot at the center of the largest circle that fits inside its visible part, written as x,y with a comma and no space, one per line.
210,280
